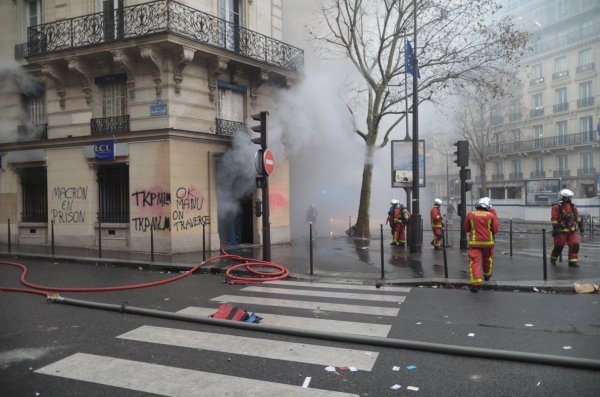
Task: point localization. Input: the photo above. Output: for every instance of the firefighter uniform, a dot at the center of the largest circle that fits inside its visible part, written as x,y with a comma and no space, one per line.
565,218
401,216
437,226
482,226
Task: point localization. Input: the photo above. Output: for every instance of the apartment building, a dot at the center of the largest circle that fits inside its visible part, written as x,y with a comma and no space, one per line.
117,114
548,138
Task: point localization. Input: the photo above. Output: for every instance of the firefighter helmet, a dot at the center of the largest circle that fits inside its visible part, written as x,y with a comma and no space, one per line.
394,202
483,203
565,195
437,202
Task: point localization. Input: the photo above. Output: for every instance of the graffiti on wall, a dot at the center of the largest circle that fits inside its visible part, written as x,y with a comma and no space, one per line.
151,207
71,200
187,214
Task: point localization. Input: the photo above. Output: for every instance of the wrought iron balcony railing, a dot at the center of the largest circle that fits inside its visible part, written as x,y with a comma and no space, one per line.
515,175
32,132
515,116
161,16
586,172
536,81
584,68
497,177
537,112
538,174
109,125
585,102
581,138
560,75
229,127
561,172
560,107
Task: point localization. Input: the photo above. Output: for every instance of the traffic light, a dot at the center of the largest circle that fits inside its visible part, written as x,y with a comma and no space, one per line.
261,129
462,153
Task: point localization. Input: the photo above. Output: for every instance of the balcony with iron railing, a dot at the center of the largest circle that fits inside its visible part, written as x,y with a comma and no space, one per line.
551,142
586,171
229,127
561,173
585,68
560,107
537,174
156,17
537,112
515,175
32,132
563,74
536,81
541,44
109,125
515,116
497,177
585,102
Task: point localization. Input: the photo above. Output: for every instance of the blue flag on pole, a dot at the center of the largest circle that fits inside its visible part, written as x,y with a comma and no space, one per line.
409,59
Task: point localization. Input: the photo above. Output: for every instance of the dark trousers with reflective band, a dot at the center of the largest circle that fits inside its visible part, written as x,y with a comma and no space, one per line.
572,240
480,258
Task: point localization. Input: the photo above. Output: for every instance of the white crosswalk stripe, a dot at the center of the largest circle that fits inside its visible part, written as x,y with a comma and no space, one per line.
309,323
234,344
172,381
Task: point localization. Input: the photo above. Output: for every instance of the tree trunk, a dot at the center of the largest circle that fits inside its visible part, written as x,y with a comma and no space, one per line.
362,222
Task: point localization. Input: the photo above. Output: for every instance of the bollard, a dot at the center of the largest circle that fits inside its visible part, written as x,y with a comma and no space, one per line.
9,245
381,232
544,254
511,238
152,243
445,258
203,242
310,242
99,239
52,235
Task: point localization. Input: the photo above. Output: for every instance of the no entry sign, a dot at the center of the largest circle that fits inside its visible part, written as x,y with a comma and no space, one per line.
268,161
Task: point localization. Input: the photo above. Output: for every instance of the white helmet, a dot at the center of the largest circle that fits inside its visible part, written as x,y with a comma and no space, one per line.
483,203
394,202
437,202
565,194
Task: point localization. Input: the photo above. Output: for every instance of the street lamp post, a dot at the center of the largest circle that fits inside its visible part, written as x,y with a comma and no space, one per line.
416,231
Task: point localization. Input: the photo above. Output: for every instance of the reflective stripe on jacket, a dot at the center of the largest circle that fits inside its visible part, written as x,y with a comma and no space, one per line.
566,216
482,225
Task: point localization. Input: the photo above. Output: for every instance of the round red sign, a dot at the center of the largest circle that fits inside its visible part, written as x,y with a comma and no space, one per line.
268,161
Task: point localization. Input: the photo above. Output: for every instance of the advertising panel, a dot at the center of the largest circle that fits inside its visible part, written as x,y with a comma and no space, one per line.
541,191
402,175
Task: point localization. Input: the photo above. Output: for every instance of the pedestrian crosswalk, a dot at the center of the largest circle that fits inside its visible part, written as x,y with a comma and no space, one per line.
310,301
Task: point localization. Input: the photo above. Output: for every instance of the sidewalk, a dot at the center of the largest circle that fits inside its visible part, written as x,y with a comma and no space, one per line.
342,259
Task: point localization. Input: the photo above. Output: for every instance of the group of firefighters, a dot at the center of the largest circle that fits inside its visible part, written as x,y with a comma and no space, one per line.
482,225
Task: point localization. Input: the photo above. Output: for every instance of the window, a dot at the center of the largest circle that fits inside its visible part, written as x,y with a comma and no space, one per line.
538,135
561,132
562,163
562,9
586,96
536,71
586,129
113,193
34,193
114,99
516,138
561,38
113,20
498,167
538,165
34,123
587,162
561,68
537,101
32,15
561,103
497,193
230,105
230,13
513,192
585,57
516,169
587,28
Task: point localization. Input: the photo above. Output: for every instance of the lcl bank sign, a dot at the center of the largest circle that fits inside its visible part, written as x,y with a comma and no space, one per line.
104,150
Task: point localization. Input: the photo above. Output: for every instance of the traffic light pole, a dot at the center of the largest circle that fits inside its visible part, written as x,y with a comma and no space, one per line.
463,205
416,231
266,223
263,182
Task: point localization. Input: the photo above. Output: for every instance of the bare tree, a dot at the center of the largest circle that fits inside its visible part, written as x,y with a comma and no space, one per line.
456,43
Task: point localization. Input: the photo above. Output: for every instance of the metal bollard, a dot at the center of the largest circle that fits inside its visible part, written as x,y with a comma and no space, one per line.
203,242
9,245
310,243
544,254
445,258
99,239
511,238
381,233
52,235
152,243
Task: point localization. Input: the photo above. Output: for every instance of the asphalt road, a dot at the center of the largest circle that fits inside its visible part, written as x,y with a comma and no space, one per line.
44,346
